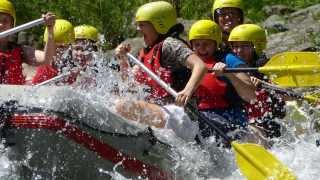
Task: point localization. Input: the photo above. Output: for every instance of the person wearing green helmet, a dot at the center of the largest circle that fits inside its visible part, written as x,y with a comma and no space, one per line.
217,90
227,14
85,44
248,41
63,62
13,54
171,59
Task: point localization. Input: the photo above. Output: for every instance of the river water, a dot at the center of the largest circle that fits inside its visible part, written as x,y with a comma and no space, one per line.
296,148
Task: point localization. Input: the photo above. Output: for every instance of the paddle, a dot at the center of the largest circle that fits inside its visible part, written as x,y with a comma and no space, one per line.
290,69
21,27
310,98
253,160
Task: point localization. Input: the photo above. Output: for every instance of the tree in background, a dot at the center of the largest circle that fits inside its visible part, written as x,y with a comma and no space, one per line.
114,18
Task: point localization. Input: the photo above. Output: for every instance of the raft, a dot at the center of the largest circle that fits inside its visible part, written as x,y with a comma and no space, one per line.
57,132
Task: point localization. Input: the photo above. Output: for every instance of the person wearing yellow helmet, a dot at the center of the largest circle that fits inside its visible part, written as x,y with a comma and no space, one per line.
217,90
63,38
248,41
86,38
14,55
168,57
228,14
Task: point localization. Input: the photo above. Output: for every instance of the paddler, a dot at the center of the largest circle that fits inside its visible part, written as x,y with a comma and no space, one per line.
75,47
219,91
248,41
227,14
172,60
63,38
13,55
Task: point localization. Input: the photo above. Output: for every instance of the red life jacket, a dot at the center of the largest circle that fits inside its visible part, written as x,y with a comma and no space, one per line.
44,73
151,60
47,72
11,67
212,92
260,108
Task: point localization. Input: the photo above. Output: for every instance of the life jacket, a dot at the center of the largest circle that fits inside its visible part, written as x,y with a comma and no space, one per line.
259,108
47,72
151,59
211,93
11,67
44,73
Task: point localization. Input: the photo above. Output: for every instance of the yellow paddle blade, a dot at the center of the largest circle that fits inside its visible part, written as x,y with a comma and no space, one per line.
312,98
294,69
257,163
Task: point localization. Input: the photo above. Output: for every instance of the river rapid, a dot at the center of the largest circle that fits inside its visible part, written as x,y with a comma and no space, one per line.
297,147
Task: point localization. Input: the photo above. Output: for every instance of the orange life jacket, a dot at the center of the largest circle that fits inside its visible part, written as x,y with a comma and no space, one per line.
11,67
211,93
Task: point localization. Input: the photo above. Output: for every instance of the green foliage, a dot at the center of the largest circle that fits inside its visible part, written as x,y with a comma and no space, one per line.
114,18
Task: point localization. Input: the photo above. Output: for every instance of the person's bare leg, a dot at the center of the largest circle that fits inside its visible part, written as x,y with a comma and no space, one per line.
142,112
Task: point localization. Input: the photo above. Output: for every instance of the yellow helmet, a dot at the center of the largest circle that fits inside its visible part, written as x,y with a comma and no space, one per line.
205,29
8,8
63,32
251,33
218,4
160,14
86,32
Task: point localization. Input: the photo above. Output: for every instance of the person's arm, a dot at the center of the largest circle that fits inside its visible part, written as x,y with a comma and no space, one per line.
199,69
240,81
37,57
120,53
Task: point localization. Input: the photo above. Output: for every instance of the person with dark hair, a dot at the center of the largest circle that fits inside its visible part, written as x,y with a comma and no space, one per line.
248,41
227,14
173,61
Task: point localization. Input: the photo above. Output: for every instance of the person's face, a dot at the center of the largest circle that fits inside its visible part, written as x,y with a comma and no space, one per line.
149,33
228,18
204,48
244,50
82,51
6,22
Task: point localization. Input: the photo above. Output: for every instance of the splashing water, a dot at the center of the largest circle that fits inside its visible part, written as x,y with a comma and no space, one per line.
296,148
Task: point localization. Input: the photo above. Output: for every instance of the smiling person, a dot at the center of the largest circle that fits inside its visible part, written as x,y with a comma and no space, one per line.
218,90
171,59
63,38
85,44
248,42
13,55
227,14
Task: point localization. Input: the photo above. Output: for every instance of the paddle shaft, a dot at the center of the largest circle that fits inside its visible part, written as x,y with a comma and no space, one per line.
21,27
279,90
54,79
236,70
217,127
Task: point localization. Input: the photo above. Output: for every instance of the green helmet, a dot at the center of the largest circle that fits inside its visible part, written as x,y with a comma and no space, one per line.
251,33
219,4
160,14
8,8
86,32
205,29
63,32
